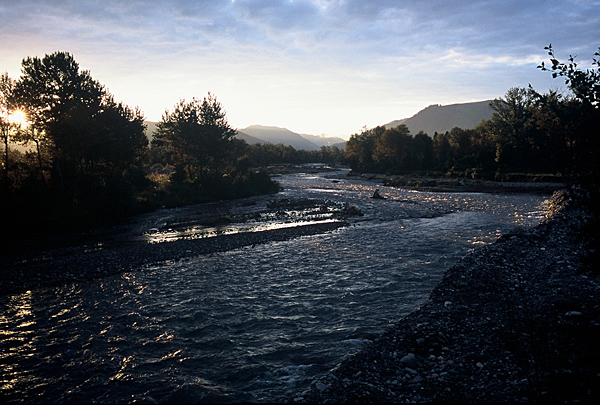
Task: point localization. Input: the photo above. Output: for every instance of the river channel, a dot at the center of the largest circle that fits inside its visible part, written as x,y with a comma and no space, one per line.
256,323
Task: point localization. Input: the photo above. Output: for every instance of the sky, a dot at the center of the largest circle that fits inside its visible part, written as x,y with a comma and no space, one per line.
312,66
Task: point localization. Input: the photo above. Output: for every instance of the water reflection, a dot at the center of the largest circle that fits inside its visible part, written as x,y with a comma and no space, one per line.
199,232
17,333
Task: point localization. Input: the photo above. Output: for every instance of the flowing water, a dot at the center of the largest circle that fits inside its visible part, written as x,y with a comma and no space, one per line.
252,324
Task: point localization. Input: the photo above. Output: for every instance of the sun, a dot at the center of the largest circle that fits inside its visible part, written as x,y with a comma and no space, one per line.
19,118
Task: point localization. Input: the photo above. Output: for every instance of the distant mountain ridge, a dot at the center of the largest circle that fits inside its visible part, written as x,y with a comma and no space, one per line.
435,118
277,135
439,118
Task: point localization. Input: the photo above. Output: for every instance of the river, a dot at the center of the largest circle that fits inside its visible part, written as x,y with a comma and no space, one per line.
253,324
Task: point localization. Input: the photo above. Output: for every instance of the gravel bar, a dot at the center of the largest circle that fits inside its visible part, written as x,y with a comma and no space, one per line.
93,261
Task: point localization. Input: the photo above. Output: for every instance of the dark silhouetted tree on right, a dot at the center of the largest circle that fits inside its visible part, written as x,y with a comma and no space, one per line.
583,112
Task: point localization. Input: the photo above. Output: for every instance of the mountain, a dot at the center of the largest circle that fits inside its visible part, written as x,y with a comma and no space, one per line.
322,140
276,135
150,128
438,118
250,139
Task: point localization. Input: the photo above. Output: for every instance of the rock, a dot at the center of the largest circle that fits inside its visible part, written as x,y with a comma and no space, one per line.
321,387
377,196
410,361
417,379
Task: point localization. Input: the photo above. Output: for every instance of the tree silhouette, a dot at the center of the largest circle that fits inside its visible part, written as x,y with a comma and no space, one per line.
392,147
360,148
583,112
89,138
194,137
7,129
510,121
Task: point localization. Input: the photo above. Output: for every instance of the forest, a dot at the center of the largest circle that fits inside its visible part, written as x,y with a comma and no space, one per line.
531,134
74,158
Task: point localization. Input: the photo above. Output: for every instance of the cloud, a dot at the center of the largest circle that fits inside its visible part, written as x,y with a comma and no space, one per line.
309,27
290,52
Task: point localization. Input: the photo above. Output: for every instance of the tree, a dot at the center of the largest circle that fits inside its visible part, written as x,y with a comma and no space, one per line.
510,121
553,133
422,151
59,98
123,140
75,116
90,139
7,128
194,137
583,112
442,150
392,148
585,84
360,147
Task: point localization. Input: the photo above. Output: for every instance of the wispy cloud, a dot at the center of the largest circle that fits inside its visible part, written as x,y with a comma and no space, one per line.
314,66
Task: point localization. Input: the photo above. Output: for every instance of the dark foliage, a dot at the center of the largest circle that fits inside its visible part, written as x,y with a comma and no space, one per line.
84,161
548,135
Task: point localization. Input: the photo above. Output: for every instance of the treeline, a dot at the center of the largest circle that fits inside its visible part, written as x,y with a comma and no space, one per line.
74,156
264,154
529,133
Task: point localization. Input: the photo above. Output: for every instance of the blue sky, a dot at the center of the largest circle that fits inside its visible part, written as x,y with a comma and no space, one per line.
320,66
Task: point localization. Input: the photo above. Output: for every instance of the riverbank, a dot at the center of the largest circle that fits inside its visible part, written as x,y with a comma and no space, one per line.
541,185
466,185
515,321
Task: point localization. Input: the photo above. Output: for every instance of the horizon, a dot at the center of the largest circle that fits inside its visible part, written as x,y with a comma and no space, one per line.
312,67
344,137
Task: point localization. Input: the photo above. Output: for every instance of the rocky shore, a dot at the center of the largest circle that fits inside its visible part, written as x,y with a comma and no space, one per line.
515,321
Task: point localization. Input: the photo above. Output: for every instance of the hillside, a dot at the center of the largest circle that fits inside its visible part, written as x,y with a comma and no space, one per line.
438,118
251,140
276,135
150,128
326,140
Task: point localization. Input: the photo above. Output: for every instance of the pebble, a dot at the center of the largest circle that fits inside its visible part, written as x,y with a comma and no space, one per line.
321,387
573,313
410,361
